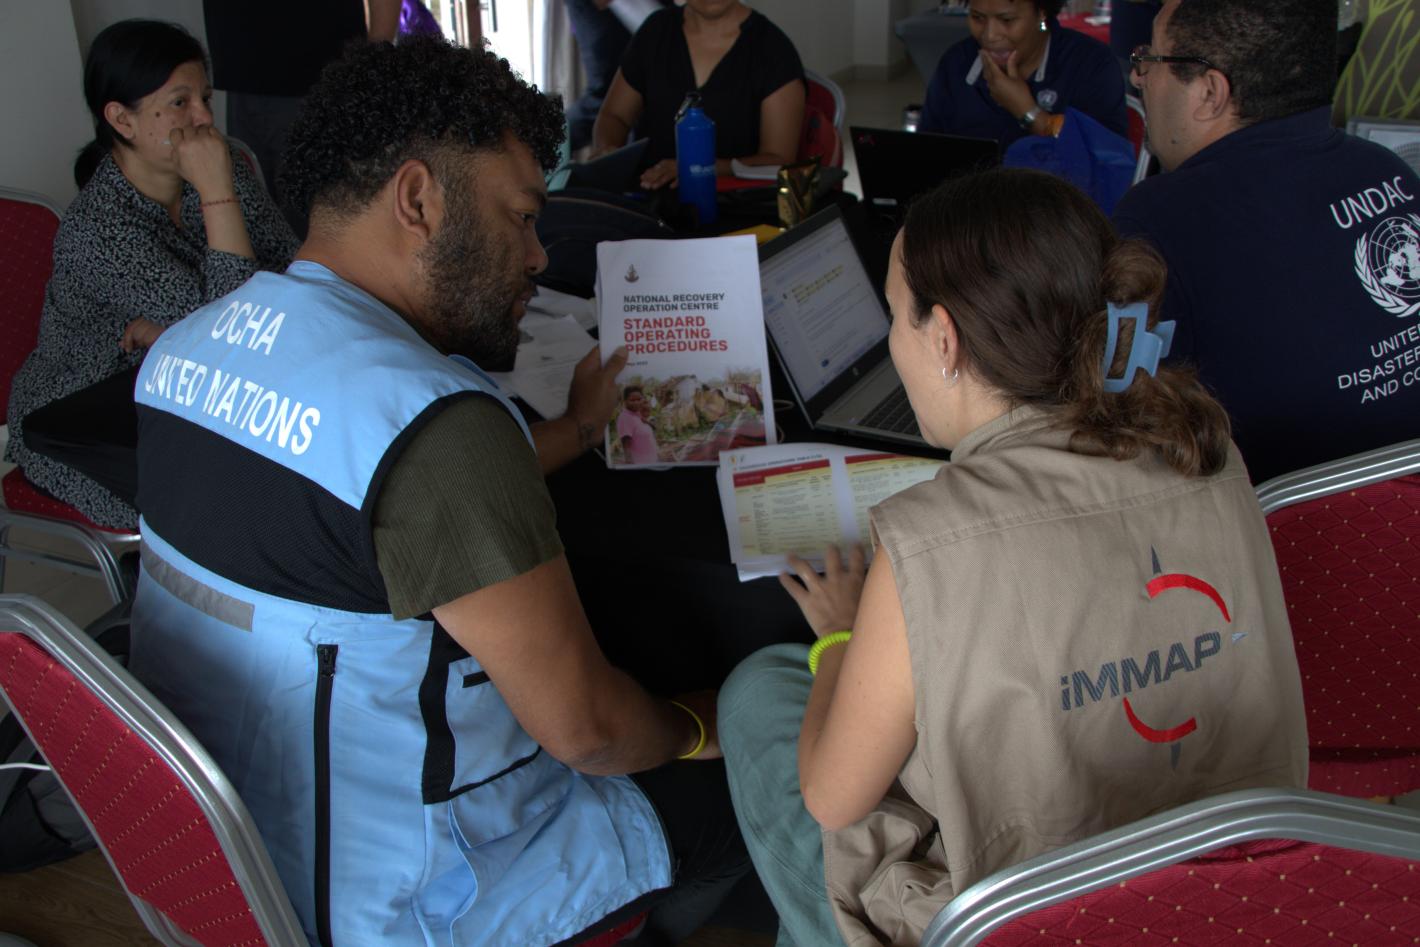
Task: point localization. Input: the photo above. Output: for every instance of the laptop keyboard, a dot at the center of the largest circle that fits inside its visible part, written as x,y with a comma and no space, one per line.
893,414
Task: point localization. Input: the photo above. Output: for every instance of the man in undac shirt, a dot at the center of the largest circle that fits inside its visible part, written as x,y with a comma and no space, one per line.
1293,249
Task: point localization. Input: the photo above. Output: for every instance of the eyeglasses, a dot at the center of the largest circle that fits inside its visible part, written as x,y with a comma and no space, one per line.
1143,55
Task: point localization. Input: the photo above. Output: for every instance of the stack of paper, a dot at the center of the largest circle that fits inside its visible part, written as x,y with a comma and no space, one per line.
550,349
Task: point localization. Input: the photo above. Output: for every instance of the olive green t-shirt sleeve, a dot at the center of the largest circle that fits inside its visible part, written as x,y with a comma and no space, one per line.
463,507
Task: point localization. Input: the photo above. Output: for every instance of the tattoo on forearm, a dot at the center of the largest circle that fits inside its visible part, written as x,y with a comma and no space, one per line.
586,435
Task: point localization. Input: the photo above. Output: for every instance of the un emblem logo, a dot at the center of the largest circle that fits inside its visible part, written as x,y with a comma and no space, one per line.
1388,264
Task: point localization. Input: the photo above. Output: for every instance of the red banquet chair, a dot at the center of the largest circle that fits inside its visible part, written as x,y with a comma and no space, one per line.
824,117
1138,137
244,151
825,95
1260,866
1347,539
820,139
28,223
170,824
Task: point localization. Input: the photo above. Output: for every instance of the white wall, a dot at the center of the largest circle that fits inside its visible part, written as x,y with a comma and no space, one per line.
42,109
91,16
844,39
877,52
822,31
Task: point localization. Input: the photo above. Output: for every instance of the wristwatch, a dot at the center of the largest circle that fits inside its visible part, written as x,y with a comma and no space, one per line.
1028,120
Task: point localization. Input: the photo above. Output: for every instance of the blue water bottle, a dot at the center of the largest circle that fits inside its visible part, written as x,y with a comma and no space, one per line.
695,158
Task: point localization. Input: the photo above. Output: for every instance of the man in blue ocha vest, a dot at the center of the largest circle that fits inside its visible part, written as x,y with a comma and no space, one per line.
1293,249
353,590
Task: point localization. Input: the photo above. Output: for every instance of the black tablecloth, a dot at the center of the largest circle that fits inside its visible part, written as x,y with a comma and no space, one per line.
648,549
95,431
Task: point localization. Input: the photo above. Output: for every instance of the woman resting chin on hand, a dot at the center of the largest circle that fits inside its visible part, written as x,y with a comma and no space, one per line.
1018,72
164,222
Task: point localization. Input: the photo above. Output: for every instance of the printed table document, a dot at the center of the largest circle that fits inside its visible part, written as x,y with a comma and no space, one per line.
802,498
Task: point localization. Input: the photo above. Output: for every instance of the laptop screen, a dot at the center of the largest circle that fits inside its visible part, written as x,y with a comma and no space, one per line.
896,166
819,305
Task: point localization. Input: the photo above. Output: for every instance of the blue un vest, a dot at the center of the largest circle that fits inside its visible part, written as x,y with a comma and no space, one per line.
399,798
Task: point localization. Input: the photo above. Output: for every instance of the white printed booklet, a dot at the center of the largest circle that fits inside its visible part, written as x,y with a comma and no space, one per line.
696,381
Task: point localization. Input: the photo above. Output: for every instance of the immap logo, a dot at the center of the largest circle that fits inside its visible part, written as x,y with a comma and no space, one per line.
1128,675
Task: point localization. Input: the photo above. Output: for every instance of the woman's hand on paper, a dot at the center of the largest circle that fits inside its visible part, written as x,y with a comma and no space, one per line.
661,174
829,601
594,394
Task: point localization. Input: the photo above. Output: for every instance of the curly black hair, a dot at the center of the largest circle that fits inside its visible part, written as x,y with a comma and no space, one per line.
1279,55
382,104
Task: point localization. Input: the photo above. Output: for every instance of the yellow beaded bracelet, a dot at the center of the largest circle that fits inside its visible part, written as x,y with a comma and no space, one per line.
823,644
699,744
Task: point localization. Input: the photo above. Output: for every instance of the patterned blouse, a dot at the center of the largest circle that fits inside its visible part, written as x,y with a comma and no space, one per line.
118,256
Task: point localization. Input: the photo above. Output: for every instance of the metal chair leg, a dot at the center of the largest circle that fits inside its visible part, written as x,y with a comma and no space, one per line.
102,563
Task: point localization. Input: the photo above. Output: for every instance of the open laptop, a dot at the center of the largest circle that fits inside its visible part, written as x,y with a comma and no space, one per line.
827,325
896,166
616,171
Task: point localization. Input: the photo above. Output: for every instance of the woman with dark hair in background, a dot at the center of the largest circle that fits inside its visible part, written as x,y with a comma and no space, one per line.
748,74
1077,623
1017,74
167,219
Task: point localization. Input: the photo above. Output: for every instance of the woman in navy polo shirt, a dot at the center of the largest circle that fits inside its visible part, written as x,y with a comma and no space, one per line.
1018,69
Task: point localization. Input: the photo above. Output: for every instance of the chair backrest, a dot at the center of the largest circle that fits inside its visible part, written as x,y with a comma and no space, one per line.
1258,866
249,156
825,95
1347,539
1135,111
820,139
168,820
1138,137
28,223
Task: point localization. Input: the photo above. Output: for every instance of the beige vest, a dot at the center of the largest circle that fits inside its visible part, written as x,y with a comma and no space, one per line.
1092,641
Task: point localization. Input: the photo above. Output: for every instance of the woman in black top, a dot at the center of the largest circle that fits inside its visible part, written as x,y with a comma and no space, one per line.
748,73
167,219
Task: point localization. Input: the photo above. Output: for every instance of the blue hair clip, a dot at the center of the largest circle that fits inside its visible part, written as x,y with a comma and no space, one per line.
1147,348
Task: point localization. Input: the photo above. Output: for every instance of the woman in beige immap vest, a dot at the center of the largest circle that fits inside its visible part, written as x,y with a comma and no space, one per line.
1077,623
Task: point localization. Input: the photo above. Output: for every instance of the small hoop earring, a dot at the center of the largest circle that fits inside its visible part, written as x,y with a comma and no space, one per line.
950,382
1043,27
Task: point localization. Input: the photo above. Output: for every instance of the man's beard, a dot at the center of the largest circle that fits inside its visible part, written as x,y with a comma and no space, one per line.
471,286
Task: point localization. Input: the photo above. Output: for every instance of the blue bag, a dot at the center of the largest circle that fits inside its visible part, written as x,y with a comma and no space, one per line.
1086,154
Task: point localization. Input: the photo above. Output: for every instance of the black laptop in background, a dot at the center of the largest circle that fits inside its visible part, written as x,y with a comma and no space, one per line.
895,166
617,171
